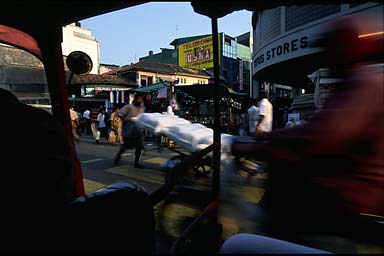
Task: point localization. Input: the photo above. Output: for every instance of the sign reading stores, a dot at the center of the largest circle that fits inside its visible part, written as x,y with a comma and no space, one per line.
281,49
197,54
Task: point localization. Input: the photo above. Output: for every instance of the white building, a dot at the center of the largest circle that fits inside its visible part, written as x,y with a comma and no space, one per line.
283,39
76,38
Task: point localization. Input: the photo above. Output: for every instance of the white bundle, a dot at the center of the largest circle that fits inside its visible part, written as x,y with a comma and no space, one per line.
156,122
190,136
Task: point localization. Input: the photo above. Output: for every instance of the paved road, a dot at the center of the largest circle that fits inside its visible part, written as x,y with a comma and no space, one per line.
238,207
239,204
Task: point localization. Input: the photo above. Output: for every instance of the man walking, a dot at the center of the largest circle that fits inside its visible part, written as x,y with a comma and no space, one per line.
253,116
266,114
87,119
132,134
93,115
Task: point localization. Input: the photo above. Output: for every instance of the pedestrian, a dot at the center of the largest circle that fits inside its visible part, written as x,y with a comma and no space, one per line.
102,127
290,123
87,121
243,121
170,108
116,126
253,116
75,123
80,126
93,116
266,114
132,134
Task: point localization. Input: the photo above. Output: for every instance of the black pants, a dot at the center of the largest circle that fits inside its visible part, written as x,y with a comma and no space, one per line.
129,143
103,132
87,126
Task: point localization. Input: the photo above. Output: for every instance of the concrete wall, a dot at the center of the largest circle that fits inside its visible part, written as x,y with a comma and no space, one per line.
11,56
188,79
23,74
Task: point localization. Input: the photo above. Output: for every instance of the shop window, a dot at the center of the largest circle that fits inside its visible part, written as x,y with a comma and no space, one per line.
150,80
227,41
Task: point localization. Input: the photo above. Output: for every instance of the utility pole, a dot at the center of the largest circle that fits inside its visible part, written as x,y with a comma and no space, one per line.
171,88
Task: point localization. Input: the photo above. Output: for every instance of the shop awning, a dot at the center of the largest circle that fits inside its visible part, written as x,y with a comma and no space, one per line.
206,91
152,87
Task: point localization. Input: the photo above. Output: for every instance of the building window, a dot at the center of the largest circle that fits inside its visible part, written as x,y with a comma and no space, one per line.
150,80
227,41
143,80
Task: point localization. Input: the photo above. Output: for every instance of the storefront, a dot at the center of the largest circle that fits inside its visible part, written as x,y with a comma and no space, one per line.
107,90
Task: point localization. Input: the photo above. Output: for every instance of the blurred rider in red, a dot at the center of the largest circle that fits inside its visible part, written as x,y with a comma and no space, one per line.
326,175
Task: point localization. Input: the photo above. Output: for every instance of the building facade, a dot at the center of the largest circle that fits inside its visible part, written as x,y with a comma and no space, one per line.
105,68
76,38
147,73
196,52
166,56
23,74
283,41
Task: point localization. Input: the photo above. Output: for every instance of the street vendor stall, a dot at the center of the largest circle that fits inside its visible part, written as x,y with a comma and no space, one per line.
202,110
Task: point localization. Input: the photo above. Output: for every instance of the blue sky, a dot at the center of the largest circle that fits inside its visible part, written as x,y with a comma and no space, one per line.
126,35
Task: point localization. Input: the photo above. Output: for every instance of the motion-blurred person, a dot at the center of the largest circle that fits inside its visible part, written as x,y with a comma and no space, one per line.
264,123
170,108
75,123
116,125
80,126
290,123
253,116
93,115
324,174
87,121
243,121
132,134
102,127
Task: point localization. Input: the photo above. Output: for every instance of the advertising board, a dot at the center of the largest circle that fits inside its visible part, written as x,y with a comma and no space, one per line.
197,54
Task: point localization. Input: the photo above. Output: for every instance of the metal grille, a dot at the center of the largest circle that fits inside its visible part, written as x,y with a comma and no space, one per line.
356,4
296,16
270,24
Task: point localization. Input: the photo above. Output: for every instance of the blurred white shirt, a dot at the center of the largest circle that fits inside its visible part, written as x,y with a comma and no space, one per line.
266,109
253,118
170,110
86,114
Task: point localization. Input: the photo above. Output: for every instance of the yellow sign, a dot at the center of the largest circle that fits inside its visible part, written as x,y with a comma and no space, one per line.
197,54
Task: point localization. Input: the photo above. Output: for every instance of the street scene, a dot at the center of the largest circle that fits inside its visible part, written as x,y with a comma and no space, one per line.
193,127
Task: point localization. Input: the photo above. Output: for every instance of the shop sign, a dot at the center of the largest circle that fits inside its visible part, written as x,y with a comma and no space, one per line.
108,88
281,49
197,54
